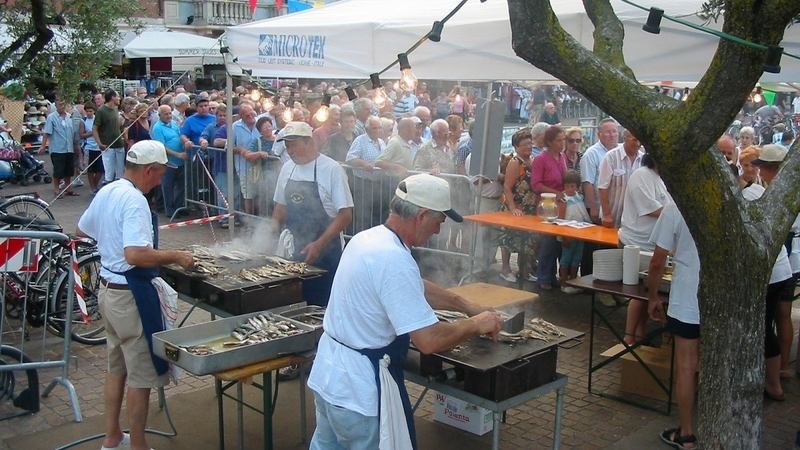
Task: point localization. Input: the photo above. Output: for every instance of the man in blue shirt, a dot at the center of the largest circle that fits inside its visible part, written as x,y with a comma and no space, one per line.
173,182
191,132
61,136
194,125
244,133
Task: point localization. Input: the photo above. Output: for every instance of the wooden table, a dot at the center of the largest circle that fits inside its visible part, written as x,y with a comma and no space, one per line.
635,293
535,224
243,375
493,296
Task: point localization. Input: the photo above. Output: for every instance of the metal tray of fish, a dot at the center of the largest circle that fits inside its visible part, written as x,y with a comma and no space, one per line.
206,348
310,315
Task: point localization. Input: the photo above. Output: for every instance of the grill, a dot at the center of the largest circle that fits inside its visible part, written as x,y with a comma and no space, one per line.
495,370
237,296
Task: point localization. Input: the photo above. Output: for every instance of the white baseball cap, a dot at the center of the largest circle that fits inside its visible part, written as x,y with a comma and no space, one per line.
147,152
428,191
771,153
294,130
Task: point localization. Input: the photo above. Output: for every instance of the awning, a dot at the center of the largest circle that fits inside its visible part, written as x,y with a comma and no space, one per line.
151,44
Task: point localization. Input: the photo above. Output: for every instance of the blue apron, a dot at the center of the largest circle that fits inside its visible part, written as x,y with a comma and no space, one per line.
307,220
397,351
139,281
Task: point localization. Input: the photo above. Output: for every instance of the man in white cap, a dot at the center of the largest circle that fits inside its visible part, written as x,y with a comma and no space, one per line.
313,201
121,222
378,305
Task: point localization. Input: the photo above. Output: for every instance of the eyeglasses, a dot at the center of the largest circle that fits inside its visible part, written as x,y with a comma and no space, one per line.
575,141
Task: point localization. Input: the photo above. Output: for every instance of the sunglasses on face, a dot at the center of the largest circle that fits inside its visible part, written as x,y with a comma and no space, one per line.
575,141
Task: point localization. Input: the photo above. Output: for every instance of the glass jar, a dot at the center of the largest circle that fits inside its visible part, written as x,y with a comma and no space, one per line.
548,210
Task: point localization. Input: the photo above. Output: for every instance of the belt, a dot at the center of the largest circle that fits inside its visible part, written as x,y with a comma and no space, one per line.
115,286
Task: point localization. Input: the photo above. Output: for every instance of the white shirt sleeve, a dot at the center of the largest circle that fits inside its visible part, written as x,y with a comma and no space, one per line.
341,197
137,227
403,297
642,193
605,171
664,232
588,170
280,186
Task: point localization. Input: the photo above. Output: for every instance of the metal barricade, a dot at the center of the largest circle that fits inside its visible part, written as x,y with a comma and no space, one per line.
372,191
38,295
206,184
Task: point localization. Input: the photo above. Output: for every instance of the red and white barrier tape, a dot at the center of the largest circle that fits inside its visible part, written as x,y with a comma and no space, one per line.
78,284
194,222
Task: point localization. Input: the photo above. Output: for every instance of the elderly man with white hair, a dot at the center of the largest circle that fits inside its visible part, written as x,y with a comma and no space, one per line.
424,114
435,156
180,105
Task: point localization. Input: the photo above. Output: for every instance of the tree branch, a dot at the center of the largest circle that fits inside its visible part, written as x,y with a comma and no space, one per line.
779,205
608,34
43,36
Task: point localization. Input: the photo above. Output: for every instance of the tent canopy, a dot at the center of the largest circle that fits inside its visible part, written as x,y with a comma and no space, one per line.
153,44
352,38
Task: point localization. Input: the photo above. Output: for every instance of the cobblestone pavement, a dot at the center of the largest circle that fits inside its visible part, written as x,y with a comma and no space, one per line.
589,421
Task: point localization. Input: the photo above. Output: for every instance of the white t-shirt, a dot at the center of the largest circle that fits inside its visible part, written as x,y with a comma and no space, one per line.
117,218
331,183
796,104
672,234
377,295
782,270
644,194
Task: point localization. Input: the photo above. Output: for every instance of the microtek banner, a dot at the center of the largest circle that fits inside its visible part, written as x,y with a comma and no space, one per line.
292,49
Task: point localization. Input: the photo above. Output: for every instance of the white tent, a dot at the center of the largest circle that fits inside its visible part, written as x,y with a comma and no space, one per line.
153,44
353,38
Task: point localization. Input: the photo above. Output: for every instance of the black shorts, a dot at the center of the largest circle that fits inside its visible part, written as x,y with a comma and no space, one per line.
95,161
683,329
63,164
782,291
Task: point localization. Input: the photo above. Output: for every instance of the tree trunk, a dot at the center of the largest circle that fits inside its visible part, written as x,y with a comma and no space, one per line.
737,241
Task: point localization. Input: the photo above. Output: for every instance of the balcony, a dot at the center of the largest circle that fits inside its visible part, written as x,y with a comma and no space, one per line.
223,13
211,15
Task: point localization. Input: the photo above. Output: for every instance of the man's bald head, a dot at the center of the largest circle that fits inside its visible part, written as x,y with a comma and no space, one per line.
727,146
406,128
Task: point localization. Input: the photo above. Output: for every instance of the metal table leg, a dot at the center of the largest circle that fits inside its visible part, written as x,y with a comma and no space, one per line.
496,432
267,410
220,413
591,340
240,413
557,422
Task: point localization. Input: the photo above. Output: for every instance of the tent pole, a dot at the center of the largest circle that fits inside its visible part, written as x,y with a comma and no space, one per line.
229,151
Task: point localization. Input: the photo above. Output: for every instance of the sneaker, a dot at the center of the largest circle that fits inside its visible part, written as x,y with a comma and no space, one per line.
289,372
532,278
510,277
78,182
124,444
606,300
569,290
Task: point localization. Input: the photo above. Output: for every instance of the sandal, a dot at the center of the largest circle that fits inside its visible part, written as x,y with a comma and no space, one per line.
673,438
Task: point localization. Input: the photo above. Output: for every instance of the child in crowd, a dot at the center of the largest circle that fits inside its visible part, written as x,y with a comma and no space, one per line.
571,208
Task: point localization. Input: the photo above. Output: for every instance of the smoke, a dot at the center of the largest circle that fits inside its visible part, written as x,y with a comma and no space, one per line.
259,237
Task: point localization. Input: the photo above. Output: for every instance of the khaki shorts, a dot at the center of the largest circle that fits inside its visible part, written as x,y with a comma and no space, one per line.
128,352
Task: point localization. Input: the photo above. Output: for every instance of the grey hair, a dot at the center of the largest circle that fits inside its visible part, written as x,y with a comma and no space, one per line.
439,123
607,120
362,102
747,130
404,208
539,128
181,98
421,109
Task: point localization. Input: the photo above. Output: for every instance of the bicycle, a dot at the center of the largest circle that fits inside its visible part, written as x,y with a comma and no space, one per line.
40,297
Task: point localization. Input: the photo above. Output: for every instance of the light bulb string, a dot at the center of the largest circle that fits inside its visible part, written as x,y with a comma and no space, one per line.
719,34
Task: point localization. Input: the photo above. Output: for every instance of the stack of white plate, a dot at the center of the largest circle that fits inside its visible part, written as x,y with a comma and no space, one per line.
607,265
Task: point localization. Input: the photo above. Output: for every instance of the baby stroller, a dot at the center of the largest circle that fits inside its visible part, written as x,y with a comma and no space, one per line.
17,165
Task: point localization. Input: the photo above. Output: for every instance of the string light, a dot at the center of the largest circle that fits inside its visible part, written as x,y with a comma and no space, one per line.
773,63
408,82
267,104
378,96
351,94
323,112
653,24
757,96
255,95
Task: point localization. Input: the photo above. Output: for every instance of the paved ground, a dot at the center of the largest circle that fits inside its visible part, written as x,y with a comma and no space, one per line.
590,421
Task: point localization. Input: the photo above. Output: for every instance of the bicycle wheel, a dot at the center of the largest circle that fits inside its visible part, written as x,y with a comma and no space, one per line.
19,389
27,206
93,333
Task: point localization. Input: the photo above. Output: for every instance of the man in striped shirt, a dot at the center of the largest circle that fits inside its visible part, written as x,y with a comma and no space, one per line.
615,170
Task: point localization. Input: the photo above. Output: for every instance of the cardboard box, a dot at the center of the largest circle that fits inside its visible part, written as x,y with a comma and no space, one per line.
462,415
634,379
486,294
